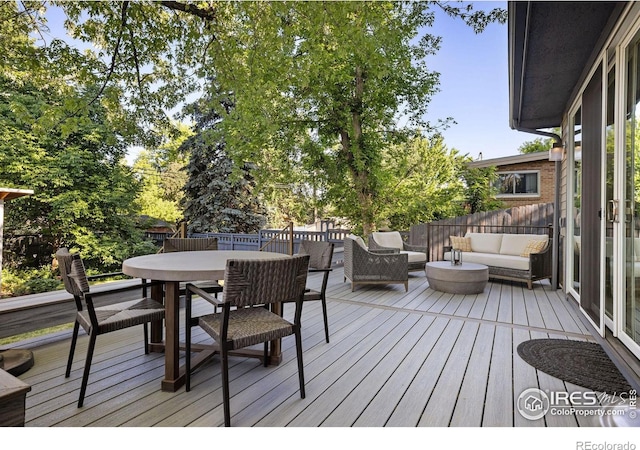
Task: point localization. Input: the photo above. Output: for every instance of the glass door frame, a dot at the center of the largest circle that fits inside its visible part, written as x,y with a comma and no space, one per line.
620,257
570,213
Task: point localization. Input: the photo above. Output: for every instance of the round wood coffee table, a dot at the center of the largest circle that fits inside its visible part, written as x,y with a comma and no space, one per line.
465,278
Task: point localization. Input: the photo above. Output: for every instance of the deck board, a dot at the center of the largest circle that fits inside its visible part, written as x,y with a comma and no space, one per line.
396,358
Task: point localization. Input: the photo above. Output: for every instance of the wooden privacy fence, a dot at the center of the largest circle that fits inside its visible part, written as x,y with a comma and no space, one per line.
529,219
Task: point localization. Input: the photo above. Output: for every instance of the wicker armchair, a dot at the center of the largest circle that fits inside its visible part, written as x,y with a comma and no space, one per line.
320,257
97,321
250,286
392,240
362,266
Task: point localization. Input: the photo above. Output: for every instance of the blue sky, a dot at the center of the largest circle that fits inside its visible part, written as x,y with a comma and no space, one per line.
474,87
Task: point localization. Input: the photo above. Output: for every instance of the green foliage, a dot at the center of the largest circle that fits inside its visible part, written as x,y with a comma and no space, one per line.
317,90
84,194
537,145
479,189
163,177
421,183
31,281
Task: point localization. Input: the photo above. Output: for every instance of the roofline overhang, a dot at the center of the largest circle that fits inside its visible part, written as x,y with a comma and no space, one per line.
508,160
519,22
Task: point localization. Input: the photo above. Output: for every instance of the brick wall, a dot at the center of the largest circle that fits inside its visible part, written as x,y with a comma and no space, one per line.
547,182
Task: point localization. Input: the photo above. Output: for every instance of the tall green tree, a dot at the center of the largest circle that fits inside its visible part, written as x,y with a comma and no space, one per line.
421,182
84,194
337,75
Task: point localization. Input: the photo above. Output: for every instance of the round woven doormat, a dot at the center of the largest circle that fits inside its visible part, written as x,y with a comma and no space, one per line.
582,363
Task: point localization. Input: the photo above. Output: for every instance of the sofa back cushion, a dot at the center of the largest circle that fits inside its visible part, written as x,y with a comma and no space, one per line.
515,244
460,243
358,239
390,239
485,242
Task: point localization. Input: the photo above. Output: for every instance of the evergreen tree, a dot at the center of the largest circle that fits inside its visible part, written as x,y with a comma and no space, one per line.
219,196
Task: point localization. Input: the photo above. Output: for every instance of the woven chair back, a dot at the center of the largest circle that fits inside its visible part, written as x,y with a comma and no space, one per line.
320,253
257,282
189,244
66,267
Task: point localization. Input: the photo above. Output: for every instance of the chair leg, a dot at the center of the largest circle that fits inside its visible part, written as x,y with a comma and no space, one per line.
187,338
300,363
225,386
146,338
87,368
266,354
326,322
74,339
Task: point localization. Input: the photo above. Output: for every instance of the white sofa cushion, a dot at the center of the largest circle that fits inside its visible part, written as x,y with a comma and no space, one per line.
494,260
415,256
485,242
391,239
515,244
358,239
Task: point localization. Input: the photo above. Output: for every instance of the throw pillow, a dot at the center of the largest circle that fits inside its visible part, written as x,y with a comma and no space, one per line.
534,246
460,243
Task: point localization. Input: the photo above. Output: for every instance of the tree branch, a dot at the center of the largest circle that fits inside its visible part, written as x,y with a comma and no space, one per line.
116,51
206,14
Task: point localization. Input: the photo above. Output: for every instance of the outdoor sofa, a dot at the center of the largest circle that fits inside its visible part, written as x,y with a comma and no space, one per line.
518,257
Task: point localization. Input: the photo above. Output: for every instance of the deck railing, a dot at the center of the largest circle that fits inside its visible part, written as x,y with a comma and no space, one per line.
281,242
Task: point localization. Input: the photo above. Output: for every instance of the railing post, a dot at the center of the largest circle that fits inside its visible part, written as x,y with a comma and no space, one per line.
183,229
290,238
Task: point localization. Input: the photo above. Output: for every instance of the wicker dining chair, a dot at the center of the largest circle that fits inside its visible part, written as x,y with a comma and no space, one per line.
100,320
320,257
250,286
191,245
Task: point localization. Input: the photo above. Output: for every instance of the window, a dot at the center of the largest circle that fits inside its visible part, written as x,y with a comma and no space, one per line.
525,183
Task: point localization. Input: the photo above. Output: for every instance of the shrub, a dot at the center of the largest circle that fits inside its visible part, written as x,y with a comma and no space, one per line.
24,282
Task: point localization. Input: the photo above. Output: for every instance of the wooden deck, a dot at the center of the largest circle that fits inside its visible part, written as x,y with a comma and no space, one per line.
420,358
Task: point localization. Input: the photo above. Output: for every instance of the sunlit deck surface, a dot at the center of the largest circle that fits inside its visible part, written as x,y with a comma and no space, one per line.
396,358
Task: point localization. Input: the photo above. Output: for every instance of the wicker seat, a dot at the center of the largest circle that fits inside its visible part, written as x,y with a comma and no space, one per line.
362,266
392,240
250,286
101,320
320,257
192,245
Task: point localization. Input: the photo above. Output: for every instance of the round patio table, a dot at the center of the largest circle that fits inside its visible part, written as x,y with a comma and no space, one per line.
465,278
173,268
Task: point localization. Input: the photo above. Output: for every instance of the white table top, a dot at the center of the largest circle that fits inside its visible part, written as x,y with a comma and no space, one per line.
446,265
188,266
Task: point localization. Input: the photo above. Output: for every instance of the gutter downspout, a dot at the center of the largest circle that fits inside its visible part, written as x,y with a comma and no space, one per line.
555,250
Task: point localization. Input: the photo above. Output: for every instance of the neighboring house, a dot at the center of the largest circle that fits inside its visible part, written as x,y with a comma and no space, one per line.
525,179
576,67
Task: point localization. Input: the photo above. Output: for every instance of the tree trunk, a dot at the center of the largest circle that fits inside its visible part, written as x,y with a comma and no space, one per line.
352,146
